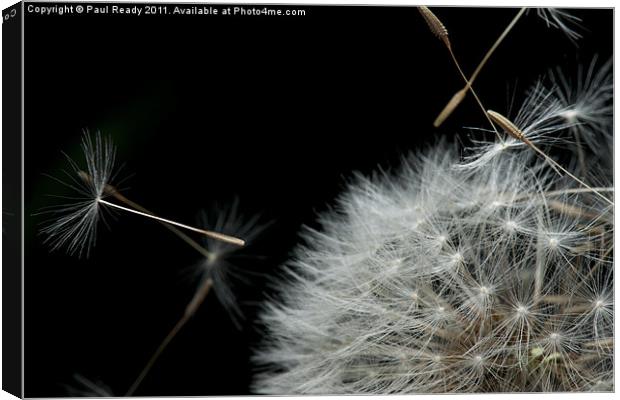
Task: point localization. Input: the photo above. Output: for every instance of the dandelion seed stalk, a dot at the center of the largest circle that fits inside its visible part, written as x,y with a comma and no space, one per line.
112,191
215,235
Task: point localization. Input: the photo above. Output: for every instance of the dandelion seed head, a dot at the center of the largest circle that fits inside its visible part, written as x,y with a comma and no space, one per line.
472,300
505,282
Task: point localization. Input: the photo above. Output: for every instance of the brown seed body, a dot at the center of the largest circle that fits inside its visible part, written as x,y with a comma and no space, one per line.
452,104
435,25
507,125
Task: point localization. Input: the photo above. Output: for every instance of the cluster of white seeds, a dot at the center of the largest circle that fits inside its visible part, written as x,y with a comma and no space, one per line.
487,273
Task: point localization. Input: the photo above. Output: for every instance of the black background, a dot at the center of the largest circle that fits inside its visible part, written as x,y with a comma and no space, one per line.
277,111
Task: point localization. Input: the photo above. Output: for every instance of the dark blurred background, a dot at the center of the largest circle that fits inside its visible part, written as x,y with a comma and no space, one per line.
276,111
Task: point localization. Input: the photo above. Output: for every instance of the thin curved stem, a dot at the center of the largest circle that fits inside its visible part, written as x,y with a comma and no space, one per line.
468,84
215,235
117,195
112,191
499,40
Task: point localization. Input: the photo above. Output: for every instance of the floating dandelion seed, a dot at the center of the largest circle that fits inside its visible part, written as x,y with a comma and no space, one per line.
75,224
219,263
76,228
215,271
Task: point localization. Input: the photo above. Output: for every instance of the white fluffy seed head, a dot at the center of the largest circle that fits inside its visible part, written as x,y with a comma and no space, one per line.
513,297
